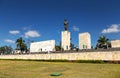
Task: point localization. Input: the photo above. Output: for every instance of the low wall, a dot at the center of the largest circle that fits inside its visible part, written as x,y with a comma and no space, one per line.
107,55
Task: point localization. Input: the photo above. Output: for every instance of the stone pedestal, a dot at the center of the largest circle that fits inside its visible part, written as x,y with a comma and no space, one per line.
65,40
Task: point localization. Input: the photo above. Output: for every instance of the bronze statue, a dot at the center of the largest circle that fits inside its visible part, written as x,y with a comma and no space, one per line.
65,24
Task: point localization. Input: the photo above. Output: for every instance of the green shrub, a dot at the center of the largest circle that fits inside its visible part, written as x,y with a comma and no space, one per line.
64,60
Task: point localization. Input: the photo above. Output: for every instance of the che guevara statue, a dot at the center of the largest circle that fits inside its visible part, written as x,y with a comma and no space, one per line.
65,24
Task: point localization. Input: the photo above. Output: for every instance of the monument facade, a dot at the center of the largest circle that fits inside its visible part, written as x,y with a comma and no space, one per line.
42,46
115,43
65,37
84,41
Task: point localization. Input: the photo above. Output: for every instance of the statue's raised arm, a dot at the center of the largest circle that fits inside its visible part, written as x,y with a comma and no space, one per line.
65,24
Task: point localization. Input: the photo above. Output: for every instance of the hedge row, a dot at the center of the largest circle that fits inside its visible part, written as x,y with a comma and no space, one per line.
75,61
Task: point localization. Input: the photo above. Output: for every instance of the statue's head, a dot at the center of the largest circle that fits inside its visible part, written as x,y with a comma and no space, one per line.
65,24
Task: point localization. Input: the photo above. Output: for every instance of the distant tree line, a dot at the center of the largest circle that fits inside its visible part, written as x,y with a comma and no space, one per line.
20,45
6,49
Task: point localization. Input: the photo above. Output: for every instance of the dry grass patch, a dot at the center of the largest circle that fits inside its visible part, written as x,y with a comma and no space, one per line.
36,69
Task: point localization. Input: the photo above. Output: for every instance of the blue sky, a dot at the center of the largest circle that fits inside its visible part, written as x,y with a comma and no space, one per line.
40,20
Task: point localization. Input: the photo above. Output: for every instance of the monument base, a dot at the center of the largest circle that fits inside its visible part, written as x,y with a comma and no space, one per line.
65,41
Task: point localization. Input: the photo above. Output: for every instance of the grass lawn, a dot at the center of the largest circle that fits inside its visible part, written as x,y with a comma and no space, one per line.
37,69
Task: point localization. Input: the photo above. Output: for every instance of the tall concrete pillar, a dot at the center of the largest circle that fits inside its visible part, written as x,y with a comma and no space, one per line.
65,40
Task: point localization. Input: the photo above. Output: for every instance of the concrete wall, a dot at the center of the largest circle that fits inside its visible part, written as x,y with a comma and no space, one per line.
107,55
42,46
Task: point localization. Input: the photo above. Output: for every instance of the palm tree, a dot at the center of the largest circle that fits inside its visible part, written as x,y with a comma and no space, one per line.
71,46
21,45
103,42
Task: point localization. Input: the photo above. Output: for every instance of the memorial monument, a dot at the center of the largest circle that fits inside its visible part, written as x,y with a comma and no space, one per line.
65,37
84,41
42,46
115,43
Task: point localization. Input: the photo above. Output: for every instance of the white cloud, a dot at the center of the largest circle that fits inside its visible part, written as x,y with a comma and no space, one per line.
114,28
9,41
32,33
75,28
14,32
27,27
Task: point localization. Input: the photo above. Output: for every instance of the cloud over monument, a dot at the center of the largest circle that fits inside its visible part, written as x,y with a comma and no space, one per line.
114,28
14,32
9,41
32,33
75,28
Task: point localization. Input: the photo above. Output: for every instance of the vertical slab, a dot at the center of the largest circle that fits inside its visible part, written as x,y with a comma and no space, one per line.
115,43
42,46
84,41
65,40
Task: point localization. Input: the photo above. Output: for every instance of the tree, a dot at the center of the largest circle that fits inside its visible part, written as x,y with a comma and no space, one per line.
71,46
21,45
103,42
6,50
58,47
1,50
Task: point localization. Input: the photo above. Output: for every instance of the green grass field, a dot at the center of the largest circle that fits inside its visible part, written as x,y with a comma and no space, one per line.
37,69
